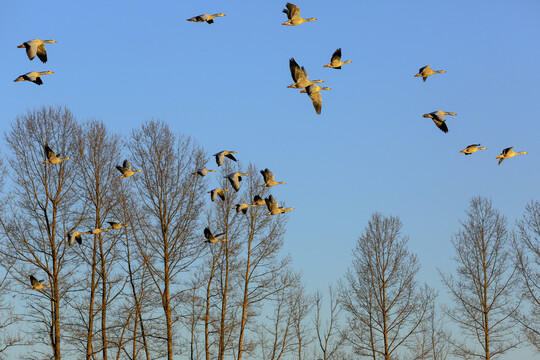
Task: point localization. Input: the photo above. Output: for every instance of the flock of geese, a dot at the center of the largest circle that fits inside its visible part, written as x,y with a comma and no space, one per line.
299,74
234,179
127,171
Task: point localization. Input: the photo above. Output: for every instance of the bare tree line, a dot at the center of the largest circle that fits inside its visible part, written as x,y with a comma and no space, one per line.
156,289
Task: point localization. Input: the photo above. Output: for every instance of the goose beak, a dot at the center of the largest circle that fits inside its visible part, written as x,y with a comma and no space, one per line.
21,46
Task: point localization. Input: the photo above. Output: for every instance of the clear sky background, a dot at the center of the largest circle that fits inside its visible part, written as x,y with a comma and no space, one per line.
225,84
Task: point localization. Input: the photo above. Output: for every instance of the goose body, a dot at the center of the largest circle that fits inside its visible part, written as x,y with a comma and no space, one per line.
426,71
115,225
37,284
207,18
242,207
217,192
202,172
36,47
51,156
300,76
335,61
274,208
223,154
471,149
33,76
439,120
268,177
126,169
314,94
98,231
211,238
293,15
509,153
235,178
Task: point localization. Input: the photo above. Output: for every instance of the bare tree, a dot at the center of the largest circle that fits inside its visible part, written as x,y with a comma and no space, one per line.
527,245
42,202
262,267
171,200
431,341
330,339
300,316
483,288
380,293
98,153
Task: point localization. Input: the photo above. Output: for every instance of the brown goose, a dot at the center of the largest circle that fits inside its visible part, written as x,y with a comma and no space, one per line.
509,153
274,208
268,177
217,192
207,18
76,236
33,76
258,201
126,169
224,153
37,284
471,149
242,207
211,238
115,225
52,159
235,178
426,71
335,61
293,15
438,119
36,47
202,172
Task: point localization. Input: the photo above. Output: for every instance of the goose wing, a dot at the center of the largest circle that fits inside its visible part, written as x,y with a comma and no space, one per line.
336,56
315,97
271,203
34,281
267,175
296,71
49,154
291,11
31,49
473,145
208,233
235,181
219,158
126,165
441,124
505,151
230,156
42,53
423,68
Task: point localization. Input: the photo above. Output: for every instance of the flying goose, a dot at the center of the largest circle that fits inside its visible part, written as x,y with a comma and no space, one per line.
76,236
274,208
235,178
205,18
472,149
217,192
426,71
202,172
37,284
335,61
438,119
116,226
300,76
509,153
36,47
126,170
268,177
51,156
33,76
224,153
258,201
293,15
315,95
210,238
242,207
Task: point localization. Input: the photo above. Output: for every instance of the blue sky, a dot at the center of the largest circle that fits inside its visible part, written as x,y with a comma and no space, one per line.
370,150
